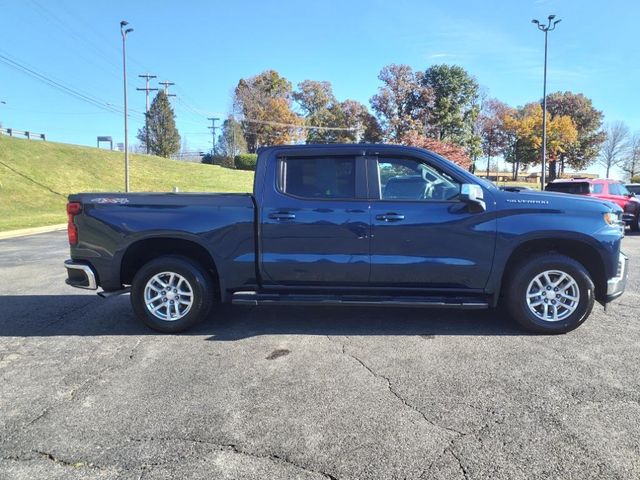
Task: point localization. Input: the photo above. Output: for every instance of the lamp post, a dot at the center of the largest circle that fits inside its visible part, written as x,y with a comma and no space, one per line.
125,31
550,26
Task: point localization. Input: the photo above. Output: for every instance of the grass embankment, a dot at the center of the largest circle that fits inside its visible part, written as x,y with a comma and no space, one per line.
36,177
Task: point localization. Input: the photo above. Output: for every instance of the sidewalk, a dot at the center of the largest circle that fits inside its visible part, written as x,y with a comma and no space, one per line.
31,231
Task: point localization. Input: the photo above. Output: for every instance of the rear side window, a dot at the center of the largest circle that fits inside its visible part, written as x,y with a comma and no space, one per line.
319,177
596,188
634,189
576,188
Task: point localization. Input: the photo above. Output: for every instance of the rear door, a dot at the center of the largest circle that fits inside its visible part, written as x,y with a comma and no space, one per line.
423,236
315,223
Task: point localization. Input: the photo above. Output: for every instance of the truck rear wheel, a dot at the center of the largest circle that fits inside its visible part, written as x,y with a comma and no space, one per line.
171,293
550,293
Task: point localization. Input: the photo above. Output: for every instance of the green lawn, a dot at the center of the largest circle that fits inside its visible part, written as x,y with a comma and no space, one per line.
36,177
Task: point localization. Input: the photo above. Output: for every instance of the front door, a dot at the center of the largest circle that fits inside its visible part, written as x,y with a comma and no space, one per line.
422,235
315,223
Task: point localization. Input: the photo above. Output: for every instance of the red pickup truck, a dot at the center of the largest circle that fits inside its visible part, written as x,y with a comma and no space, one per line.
605,189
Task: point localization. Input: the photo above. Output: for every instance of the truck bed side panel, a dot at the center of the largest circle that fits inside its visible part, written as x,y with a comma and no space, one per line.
222,224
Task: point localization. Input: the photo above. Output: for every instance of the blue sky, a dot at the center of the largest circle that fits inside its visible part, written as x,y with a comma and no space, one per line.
206,46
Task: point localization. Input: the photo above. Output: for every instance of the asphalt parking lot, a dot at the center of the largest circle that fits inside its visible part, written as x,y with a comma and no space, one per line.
259,393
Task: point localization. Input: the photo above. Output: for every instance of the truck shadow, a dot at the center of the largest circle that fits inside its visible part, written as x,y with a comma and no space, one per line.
89,315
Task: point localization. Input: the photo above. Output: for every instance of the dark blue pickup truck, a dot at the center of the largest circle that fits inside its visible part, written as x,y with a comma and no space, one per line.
351,225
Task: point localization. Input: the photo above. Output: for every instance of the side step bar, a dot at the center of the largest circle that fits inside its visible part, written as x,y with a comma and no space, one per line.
256,298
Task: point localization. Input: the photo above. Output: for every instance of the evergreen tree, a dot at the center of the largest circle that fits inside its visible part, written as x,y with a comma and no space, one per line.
160,128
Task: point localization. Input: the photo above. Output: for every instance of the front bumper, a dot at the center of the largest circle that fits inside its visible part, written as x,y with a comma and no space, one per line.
80,275
616,285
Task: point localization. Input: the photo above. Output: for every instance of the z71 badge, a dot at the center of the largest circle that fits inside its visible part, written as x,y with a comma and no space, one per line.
117,200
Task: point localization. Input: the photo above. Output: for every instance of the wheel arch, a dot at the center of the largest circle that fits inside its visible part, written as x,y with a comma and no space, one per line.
581,251
141,251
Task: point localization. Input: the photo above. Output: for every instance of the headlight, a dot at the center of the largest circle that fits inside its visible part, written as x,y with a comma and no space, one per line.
612,218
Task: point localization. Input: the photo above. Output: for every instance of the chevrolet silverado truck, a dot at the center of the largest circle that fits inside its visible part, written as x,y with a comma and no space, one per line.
364,225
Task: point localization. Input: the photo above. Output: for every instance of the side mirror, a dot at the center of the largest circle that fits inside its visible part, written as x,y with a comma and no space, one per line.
472,194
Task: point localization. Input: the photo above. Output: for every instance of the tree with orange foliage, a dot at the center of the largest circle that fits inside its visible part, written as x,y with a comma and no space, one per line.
450,151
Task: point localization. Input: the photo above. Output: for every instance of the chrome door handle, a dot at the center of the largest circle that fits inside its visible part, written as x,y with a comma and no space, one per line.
282,216
390,217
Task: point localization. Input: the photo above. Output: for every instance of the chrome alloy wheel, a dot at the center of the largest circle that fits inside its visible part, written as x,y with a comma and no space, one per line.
553,295
168,296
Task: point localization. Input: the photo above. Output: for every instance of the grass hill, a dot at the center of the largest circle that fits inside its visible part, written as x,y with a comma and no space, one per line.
36,177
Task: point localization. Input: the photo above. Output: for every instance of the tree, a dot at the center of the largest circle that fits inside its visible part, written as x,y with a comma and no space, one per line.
342,122
231,141
160,128
313,96
524,129
363,124
522,149
614,145
493,133
455,106
588,123
320,109
450,151
264,104
631,165
402,103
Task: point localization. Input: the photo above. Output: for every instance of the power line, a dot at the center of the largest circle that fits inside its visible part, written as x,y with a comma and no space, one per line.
304,127
59,86
166,84
213,133
146,89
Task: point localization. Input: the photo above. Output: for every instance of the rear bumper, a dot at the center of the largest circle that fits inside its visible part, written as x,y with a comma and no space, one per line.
80,275
617,284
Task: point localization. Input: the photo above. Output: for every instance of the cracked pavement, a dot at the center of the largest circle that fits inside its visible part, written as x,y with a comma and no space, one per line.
87,392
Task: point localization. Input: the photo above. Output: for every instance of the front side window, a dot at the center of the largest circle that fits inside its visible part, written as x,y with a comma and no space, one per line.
618,189
409,179
321,177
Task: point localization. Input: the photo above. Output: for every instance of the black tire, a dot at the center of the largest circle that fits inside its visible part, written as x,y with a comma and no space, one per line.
524,273
635,225
198,280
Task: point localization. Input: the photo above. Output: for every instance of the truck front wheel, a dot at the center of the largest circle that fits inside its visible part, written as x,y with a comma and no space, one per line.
171,293
550,293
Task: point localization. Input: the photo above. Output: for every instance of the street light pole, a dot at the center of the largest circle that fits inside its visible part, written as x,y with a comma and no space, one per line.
546,29
125,31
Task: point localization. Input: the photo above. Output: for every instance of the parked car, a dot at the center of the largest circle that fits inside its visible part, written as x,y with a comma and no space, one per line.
515,188
606,189
633,188
376,225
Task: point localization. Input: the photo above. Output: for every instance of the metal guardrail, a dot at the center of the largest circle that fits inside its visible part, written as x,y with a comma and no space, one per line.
12,132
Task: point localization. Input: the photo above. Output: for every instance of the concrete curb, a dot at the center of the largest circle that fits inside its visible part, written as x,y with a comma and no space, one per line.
23,232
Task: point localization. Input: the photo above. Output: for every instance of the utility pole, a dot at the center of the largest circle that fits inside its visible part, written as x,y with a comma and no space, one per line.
546,29
166,84
124,33
147,89
213,134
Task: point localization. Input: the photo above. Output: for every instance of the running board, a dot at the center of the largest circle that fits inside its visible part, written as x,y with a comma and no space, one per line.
256,298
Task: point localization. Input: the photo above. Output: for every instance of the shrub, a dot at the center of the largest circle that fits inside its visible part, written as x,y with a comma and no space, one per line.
246,161
221,160
635,179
